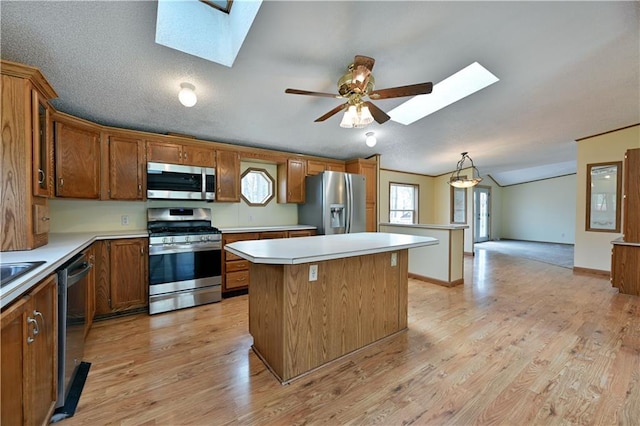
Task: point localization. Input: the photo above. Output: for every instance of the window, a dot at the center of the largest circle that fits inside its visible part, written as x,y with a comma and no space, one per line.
403,203
257,187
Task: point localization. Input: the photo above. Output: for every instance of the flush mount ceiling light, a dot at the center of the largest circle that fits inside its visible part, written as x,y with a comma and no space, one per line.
465,82
371,139
462,181
187,95
357,115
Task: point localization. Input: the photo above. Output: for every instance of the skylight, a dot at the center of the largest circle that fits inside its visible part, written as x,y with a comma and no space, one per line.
453,88
198,29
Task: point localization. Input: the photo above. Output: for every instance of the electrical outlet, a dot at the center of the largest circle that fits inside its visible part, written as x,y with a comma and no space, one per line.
394,259
124,220
313,273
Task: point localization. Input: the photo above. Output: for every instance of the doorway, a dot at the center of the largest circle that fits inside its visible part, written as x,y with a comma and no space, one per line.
482,210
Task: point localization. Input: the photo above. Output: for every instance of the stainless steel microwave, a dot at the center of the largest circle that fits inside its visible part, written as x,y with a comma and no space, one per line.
176,182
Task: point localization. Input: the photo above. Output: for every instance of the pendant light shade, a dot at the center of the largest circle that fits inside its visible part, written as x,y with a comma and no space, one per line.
462,181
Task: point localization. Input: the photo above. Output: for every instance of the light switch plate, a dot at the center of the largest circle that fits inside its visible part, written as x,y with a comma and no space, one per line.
313,273
124,219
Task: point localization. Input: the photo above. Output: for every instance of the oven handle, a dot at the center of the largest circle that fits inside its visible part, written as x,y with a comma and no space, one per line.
182,248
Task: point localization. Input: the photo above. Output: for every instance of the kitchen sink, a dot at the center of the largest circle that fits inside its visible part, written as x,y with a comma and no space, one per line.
11,271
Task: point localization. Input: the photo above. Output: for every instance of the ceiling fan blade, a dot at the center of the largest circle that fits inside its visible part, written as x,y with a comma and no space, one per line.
379,115
306,92
333,112
398,92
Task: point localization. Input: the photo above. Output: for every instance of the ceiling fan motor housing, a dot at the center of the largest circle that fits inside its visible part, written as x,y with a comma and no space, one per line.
347,87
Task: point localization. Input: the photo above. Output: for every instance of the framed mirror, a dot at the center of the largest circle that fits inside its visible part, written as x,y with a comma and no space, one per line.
603,196
458,205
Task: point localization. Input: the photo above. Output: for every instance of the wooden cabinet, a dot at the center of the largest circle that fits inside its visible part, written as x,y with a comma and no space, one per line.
315,167
273,234
29,342
25,164
227,176
126,167
176,153
77,158
291,188
625,258
121,276
235,270
631,203
369,169
302,233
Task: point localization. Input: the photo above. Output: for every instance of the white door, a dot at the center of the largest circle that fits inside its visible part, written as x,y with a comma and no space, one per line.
482,209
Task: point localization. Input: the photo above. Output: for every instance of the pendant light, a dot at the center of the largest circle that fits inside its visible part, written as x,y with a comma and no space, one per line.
462,181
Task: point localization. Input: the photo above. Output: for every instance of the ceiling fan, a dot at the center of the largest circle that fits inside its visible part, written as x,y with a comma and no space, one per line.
358,83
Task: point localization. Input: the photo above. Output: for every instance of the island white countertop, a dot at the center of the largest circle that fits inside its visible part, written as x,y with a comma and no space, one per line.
425,225
241,229
61,248
292,251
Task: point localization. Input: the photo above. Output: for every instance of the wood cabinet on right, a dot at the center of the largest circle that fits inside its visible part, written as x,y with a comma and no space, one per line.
369,169
227,176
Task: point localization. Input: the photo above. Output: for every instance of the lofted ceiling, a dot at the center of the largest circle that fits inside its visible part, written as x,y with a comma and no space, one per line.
567,70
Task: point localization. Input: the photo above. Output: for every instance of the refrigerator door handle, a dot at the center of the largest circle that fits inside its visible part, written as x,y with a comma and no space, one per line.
349,215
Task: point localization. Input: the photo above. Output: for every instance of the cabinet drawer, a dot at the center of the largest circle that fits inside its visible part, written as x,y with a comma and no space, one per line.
237,265
237,279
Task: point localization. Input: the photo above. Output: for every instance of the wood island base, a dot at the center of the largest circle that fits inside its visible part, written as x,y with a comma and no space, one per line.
299,325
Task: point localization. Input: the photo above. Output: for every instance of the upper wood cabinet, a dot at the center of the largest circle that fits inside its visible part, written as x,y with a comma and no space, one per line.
315,167
126,168
227,176
25,164
77,159
369,169
169,152
291,188
29,336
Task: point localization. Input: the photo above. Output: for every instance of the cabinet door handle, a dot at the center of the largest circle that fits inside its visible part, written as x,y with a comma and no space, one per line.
40,176
36,314
61,182
45,218
35,329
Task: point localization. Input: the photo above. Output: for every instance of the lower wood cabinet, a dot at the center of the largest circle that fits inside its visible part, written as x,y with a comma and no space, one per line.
29,345
625,268
122,283
235,270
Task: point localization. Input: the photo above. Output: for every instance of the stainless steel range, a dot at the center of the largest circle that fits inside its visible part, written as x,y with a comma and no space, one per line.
184,258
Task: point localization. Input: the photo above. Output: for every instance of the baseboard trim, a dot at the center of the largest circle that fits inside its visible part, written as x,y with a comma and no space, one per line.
435,281
588,271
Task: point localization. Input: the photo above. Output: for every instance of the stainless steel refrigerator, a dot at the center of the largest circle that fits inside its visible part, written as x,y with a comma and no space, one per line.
335,203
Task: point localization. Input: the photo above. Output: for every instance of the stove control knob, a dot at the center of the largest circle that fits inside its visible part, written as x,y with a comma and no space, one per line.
187,239
165,240
204,238
170,240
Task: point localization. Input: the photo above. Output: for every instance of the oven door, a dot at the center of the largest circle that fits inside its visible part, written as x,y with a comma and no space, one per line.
179,267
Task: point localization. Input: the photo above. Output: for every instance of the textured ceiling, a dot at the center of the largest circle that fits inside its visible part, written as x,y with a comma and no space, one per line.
567,70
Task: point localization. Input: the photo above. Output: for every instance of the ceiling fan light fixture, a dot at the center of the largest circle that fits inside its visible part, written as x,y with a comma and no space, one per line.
462,181
363,116
187,95
349,118
371,139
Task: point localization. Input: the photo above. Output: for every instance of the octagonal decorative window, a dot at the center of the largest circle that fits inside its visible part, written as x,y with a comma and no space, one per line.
257,187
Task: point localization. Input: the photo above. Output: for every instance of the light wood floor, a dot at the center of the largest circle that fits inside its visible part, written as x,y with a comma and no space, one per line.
522,342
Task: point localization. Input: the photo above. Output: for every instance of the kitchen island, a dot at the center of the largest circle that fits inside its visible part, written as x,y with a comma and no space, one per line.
315,299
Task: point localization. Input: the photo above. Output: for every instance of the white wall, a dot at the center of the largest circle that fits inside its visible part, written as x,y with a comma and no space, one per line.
425,194
593,249
540,211
69,215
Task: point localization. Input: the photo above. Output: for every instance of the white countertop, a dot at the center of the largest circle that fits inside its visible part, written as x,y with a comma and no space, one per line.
239,229
292,251
61,248
425,225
